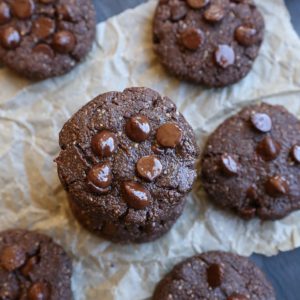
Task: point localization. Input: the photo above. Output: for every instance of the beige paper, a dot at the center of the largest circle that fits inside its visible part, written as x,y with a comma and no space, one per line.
32,114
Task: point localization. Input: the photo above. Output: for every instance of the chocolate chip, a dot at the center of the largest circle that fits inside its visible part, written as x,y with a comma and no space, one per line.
100,178
64,12
248,212
246,35
12,257
47,1
104,144
262,122
169,135
228,165
5,14
277,186
22,9
268,149
224,56
10,38
295,152
252,192
237,297
215,13
178,12
43,27
215,274
64,41
136,195
149,167
138,128
39,291
29,265
192,38
198,3
44,49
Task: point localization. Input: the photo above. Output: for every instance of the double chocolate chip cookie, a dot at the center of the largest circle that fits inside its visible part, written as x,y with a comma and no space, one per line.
45,38
210,42
127,161
215,276
251,163
33,267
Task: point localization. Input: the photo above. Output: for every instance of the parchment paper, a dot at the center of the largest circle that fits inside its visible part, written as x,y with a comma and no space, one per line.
32,114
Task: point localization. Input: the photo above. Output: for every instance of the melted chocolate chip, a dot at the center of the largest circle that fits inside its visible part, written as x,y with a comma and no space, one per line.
228,165
192,38
215,13
100,178
23,9
169,135
29,265
39,291
104,144
136,195
64,41
198,3
224,56
178,12
246,35
237,297
43,27
44,49
262,122
295,152
277,186
138,128
268,149
12,257
149,167
10,38
5,14
215,274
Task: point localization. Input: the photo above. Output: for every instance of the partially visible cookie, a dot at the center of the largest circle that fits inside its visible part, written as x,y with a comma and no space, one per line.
210,42
33,267
45,38
251,163
215,276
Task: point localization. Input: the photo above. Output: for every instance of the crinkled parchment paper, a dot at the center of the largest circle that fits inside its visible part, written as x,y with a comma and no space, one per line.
32,114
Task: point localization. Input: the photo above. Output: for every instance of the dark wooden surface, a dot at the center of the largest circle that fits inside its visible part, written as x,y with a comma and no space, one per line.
284,269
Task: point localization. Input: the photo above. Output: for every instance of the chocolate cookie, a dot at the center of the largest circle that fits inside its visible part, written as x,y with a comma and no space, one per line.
33,267
127,161
45,38
251,163
210,42
215,276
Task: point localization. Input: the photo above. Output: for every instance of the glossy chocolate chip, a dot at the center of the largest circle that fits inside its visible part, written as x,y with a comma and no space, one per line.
149,167
268,149
224,56
100,178
39,291
64,12
64,41
5,14
228,165
215,13
169,135
192,38
237,297
215,274
12,257
246,35
29,265
277,186
44,49
43,27
136,195
262,122
23,9
197,3
178,12
295,152
104,144
138,128
10,38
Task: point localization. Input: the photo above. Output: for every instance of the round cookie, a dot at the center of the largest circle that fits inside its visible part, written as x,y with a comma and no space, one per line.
210,42
127,161
251,163
215,276
33,267
45,38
